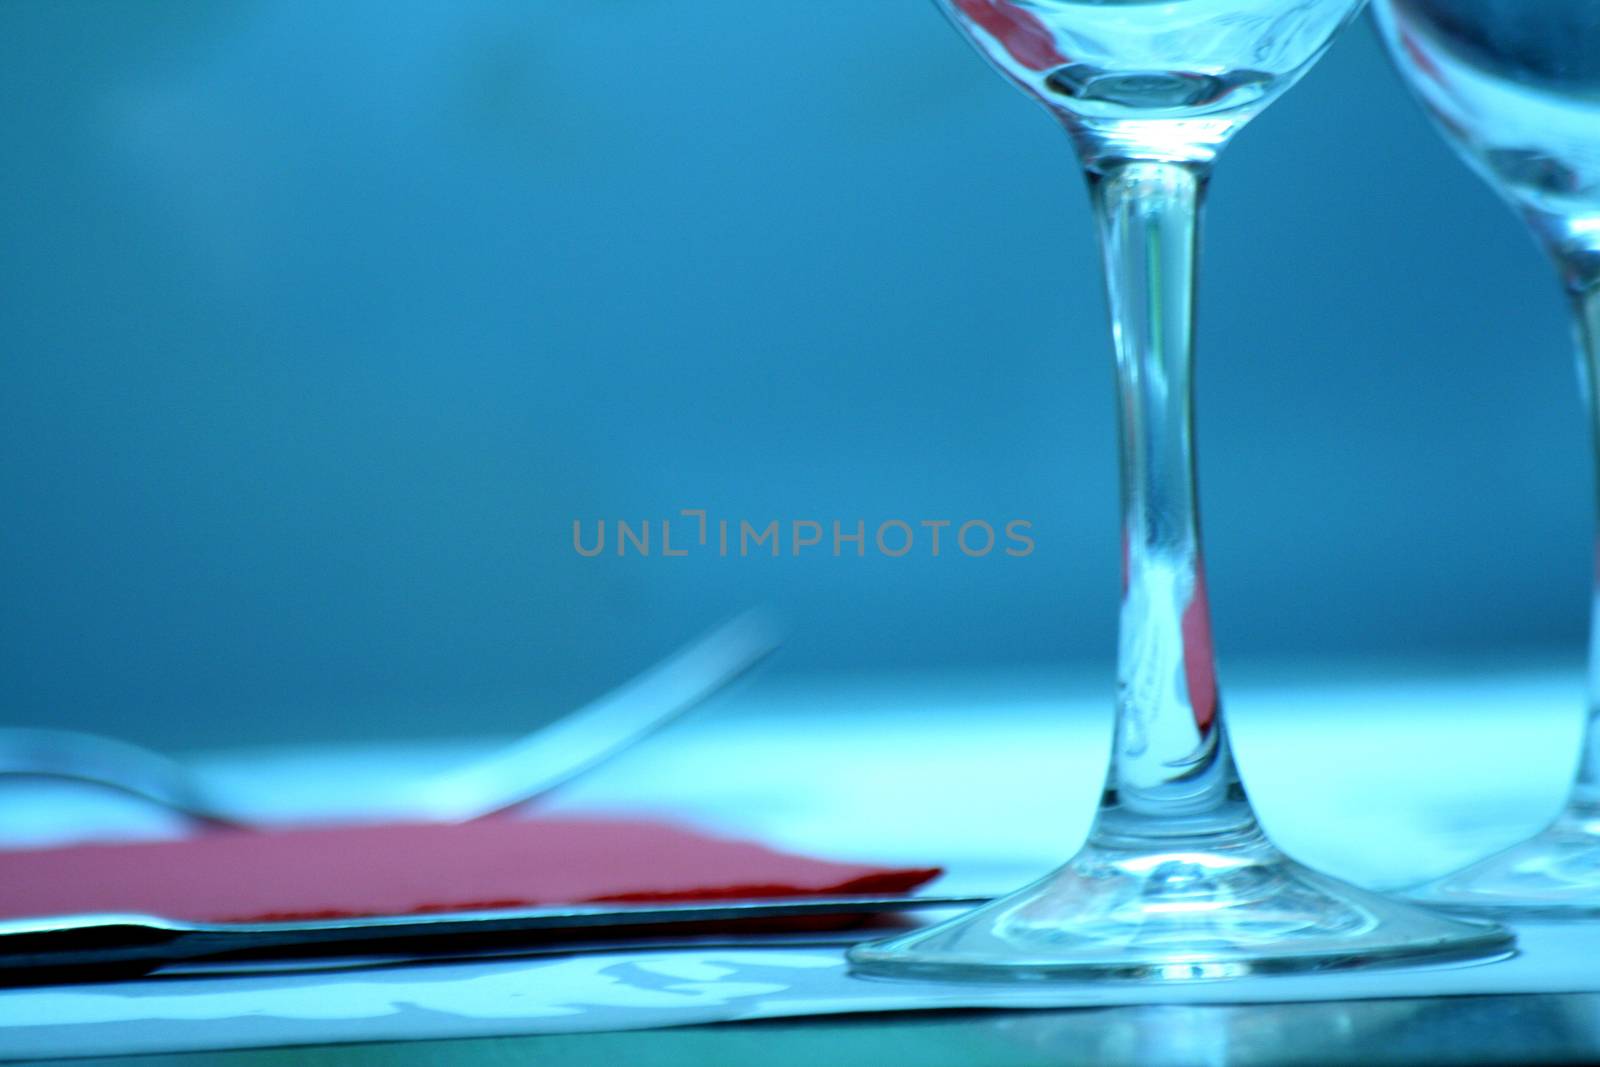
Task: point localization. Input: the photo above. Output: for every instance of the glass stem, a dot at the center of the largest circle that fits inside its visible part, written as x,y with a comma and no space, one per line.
1171,771
1585,294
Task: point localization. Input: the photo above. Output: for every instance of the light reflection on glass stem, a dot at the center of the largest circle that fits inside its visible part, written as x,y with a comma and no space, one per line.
1585,293
1170,757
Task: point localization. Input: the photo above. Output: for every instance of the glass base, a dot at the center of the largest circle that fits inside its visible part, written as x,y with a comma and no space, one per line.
1554,874
1217,906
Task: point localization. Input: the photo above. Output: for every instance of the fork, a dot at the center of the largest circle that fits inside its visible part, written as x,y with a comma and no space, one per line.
525,769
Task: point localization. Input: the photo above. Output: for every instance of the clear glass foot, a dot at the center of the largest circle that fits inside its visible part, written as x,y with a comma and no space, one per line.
1554,874
1219,906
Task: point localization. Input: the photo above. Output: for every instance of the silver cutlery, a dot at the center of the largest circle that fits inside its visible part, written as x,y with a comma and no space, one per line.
522,771
117,945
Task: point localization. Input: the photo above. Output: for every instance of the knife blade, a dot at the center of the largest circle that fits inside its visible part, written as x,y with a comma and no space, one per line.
91,946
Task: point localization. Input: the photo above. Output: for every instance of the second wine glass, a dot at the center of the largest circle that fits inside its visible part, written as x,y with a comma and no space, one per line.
1177,880
1515,86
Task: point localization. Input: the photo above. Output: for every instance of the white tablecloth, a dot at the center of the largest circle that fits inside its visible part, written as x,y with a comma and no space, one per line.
1384,779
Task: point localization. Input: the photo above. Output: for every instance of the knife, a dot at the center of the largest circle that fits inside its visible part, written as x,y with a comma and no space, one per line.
86,947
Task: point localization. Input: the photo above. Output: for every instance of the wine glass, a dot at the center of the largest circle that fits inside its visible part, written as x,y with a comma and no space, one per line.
1515,87
1177,880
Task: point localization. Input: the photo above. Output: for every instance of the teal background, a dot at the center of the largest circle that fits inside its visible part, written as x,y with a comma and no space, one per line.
321,323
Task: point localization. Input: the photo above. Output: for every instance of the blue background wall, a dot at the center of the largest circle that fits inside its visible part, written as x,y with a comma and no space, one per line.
320,323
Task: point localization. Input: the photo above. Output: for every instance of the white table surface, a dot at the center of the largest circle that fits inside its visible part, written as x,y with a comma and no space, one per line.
1383,777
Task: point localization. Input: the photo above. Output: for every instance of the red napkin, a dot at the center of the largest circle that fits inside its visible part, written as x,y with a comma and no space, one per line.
246,875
